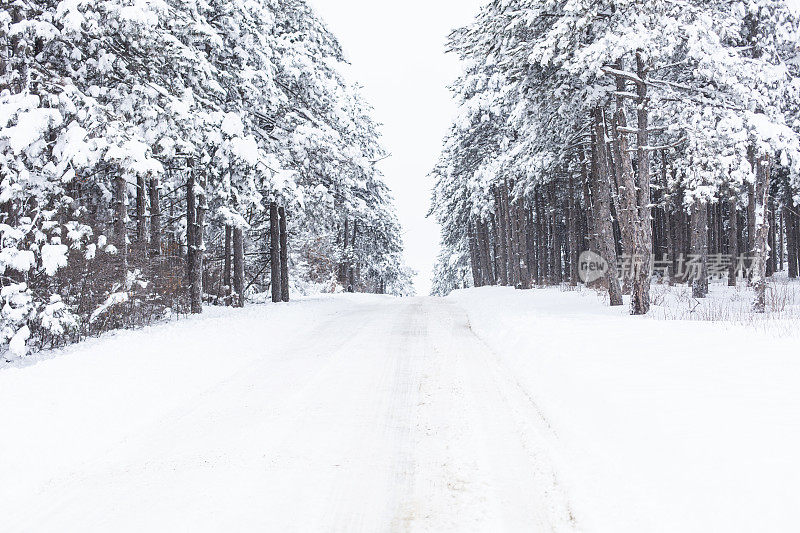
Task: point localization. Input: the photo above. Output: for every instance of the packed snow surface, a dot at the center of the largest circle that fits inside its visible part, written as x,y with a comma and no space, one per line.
490,410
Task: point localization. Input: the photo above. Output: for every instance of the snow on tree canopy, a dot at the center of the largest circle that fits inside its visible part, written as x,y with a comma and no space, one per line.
119,117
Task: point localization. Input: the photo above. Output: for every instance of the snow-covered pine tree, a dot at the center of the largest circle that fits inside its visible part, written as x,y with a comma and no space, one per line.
137,138
712,88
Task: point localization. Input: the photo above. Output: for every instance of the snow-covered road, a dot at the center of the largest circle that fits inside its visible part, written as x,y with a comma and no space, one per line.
364,414
490,410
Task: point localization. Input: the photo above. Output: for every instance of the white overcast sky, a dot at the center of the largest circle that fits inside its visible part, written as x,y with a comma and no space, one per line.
397,53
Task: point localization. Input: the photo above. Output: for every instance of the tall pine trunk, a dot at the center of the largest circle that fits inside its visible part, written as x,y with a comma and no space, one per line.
761,245
572,230
483,254
699,240
601,195
141,211
274,252
238,266
198,248
226,273
284,241
733,238
791,243
477,278
121,226
643,228
191,216
155,216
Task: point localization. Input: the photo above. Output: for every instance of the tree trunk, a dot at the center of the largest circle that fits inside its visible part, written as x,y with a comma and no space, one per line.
626,185
226,272
530,246
120,227
602,209
191,215
522,251
643,239
196,279
155,217
345,265
699,239
543,239
796,238
238,266
733,239
761,246
671,253
483,251
502,237
477,278
791,243
751,222
141,211
284,238
275,252
513,223
573,231
586,178
556,253
772,263
781,239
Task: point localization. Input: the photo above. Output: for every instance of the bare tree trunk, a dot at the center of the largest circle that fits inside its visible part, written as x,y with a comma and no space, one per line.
586,178
626,191
155,217
781,239
761,248
226,273
345,265
120,226
353,272
196,279
796,239
483,252
699,235
530,246
602,208
494,230
477,278
672,253
791,235
141,211
543,239
284,238
515,240
643,239
733,238
772,263
751,221
522,252
502,237
238,266
533,244
191,216
556,253
573,231
274,252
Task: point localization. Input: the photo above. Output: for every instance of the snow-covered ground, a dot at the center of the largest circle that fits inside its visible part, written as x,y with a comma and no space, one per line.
490,410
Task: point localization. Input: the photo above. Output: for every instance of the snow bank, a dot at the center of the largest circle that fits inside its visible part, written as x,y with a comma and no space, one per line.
658,425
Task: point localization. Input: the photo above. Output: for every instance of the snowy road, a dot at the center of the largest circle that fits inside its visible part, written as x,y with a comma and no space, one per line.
363,415
490,410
